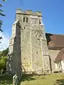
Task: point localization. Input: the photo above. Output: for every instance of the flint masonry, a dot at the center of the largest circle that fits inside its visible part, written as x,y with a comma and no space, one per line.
28,50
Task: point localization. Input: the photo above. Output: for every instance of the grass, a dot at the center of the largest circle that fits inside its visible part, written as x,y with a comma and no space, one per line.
5,80
52,79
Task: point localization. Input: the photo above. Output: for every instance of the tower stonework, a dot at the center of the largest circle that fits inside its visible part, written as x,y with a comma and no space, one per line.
28,46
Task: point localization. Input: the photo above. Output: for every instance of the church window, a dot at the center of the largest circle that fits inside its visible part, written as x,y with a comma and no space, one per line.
39,22
27,19
23,19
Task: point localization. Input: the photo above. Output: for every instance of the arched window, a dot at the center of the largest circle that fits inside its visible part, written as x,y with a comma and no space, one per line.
23,19
27,19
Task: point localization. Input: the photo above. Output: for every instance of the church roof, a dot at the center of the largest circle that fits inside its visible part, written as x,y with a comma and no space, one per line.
55,41
60,56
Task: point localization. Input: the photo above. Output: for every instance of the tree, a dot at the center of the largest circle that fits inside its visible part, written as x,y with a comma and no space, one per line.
3,58
1,14
3,64
4,52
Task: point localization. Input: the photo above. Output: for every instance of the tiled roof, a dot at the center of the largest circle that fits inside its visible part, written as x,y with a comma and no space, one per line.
60,56
55,41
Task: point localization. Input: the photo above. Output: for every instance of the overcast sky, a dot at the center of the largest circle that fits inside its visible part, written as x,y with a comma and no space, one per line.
52,11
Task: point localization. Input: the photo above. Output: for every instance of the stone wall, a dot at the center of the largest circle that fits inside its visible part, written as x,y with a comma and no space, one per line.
33,42
53,54
14,59
28,45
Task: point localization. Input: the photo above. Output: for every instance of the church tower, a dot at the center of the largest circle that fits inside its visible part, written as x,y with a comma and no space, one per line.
30,51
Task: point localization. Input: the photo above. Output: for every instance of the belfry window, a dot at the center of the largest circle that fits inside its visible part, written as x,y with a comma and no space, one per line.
39,22
27,19
23,19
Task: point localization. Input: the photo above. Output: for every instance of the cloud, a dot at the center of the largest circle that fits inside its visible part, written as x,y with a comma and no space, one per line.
4,42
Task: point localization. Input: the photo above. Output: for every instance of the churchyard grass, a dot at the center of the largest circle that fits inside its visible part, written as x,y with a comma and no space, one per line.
5,80
51,79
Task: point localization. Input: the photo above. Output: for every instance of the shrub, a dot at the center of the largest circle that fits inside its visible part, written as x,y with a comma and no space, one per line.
3,63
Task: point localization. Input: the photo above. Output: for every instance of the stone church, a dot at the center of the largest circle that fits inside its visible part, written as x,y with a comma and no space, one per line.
31,50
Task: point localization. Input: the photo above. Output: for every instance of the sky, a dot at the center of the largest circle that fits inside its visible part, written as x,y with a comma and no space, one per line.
52,16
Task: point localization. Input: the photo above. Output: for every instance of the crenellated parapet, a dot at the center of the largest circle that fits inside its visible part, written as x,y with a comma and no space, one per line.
29,12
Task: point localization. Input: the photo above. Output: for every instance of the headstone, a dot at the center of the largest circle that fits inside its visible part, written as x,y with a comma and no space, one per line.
15,80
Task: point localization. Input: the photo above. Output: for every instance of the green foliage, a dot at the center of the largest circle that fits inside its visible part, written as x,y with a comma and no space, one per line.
6,79
3,58
2,63
1,14
4,0
48,36
50,79
0,5
4,53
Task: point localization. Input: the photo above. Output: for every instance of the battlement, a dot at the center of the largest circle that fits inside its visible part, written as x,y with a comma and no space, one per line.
29,12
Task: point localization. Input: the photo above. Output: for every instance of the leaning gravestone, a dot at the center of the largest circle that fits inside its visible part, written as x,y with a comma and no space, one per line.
15,80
